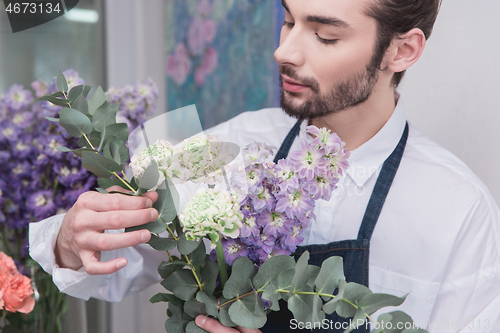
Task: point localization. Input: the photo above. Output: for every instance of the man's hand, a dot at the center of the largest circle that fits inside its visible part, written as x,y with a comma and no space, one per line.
82,238
213,326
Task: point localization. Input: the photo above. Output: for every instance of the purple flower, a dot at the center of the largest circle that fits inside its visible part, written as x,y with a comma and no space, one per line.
293,239
263,200
40,87
308,160
233,249
16,98
294,204
286,177
274,223
330,142
257,153
41,203
249,227
132,106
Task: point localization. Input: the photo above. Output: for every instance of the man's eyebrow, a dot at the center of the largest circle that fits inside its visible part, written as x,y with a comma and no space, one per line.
328,21
283,3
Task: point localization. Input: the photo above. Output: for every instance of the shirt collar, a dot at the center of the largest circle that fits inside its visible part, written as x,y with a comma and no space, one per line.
369,157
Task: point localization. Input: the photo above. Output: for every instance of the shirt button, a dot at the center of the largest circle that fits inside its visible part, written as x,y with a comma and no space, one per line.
326,204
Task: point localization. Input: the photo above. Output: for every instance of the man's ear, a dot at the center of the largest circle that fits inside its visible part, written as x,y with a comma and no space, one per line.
405,50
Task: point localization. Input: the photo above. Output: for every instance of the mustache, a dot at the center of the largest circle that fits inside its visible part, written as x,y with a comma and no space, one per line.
292,73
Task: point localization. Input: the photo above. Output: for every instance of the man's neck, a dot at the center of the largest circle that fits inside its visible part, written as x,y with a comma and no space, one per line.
359,124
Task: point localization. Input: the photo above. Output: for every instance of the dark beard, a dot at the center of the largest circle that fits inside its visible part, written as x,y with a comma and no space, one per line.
349,93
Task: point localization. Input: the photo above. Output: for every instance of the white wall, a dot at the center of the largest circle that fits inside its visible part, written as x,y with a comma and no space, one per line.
452,92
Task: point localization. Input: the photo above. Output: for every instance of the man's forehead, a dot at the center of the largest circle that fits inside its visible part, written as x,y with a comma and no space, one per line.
338,7
339,13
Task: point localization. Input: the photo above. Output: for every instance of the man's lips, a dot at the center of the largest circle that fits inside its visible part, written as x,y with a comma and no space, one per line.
292,85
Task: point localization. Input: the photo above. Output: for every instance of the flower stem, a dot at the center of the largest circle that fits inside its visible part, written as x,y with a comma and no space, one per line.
88,141
124,182
221,260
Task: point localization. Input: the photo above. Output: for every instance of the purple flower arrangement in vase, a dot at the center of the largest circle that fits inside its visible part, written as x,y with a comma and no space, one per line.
252,223
38,181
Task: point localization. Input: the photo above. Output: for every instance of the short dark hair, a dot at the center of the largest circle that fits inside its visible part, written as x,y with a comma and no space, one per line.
397,17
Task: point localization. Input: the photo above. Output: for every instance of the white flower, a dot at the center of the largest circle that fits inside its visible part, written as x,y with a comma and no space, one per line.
213,213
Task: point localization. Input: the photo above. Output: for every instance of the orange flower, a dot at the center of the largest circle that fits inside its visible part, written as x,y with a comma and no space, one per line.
7,264
17,293
1,300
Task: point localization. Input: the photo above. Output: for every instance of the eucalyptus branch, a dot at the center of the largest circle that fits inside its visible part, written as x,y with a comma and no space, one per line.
124,182
188,261
88,141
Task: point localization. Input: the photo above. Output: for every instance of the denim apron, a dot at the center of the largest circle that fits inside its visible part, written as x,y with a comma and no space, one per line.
355,252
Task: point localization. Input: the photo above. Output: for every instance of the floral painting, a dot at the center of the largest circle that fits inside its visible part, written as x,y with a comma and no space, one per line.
219,56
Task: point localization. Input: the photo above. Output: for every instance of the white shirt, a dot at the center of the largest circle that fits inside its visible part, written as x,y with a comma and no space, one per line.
437,237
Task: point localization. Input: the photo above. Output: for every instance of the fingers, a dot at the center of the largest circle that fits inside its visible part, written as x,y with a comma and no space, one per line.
115,220
213,326
93,266
113,241
106,202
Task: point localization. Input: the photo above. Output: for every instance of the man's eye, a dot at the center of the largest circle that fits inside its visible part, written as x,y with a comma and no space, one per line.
288,24
326,41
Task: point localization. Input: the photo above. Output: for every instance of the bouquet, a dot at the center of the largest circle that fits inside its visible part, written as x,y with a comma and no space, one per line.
38,181
252,223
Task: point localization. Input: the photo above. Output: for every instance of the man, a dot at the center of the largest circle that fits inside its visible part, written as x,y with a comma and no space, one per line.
435,233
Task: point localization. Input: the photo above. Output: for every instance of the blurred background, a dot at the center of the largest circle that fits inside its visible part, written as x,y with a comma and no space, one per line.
218,54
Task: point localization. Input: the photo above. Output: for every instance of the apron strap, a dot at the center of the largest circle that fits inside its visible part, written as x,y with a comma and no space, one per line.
381,189
287,143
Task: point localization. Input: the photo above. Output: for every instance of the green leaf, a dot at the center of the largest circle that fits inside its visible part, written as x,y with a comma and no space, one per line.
81,105
75,92
301,276
306,308
193,328
332,271
116,150
94,138
353,293
97,100
103,139
270,270
76,123
178,321
199,255
371,303
186,246
52,119
99,165
163,297
182,284
166,268
358,321
104,115
57,94
53,100
162,244
155,227
240,281
101,190
224,317
107,183
119,130
209,274
168,201
61,83
193,308
331,306
313,274
150,177
272,295
285,280
248,311
77,152
210,303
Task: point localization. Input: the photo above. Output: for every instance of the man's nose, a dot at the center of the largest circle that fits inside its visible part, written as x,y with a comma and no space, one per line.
291,49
